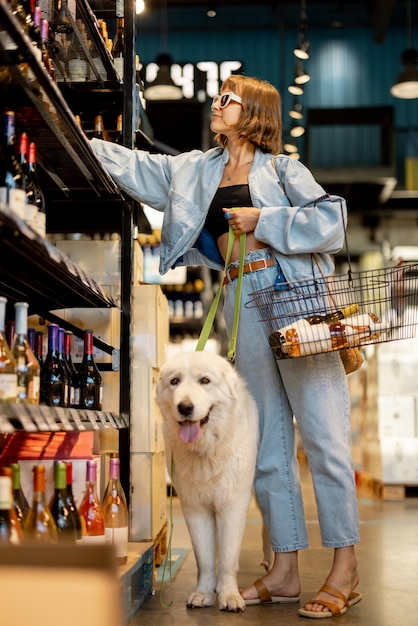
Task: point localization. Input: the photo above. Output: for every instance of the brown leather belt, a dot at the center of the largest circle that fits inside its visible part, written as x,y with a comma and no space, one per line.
254,266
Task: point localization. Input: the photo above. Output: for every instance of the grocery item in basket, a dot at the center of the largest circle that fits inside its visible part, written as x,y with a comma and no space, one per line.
302,338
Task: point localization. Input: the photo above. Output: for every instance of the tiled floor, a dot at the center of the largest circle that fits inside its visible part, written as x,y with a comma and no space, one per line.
387,558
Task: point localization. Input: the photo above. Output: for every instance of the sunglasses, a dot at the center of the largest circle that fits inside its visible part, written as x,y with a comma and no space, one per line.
225,98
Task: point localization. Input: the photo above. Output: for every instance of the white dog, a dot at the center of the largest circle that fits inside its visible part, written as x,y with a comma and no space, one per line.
211,435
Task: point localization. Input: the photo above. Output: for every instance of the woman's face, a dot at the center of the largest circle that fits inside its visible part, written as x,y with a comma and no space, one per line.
225,116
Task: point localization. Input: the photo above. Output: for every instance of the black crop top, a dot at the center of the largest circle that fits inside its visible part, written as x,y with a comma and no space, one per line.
225,198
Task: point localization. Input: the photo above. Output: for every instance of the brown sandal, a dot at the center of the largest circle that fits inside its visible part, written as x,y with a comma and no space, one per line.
264,596
333,609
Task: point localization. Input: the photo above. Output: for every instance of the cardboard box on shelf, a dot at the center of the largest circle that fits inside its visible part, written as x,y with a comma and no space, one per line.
392,460
397,416
150,326
146,418
148,504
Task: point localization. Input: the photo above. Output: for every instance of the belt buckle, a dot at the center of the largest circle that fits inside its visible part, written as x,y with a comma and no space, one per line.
256,269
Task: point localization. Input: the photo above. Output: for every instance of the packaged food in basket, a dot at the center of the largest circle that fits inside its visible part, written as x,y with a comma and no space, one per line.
313,335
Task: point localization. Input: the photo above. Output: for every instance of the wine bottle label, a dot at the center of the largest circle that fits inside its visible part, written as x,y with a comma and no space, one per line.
118,537
31,215
41,223
8,387
118,63
33,390
16,199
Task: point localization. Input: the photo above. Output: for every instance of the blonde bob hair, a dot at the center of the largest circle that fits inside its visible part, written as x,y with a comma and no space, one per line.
261,118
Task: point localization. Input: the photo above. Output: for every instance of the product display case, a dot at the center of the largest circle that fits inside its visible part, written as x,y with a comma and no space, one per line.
80,197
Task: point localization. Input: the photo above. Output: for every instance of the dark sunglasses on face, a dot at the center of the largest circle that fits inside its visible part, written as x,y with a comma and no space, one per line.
226,98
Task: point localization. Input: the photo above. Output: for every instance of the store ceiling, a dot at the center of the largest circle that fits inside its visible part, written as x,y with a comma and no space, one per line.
380,12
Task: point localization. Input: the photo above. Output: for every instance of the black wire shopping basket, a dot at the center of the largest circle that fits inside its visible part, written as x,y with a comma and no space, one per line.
352,310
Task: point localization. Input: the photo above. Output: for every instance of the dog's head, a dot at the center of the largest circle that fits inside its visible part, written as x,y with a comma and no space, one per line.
193,390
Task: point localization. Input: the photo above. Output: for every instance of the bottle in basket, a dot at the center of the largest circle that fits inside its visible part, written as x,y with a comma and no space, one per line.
334,331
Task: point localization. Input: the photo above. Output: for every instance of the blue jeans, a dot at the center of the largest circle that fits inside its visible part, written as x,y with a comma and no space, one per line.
314,390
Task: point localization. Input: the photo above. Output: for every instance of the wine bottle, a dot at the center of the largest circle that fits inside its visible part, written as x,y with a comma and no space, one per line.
8,381
118,47
302,338
89,377
27,366
115,513
39,197
36,44
46,59
31,339
73,382
70,500
76,61
10,332
40,526
60,22
53,375
119,130
21,505
99,127
60,511
39,347
12,178
10,531
30,208
90,509
64,365
334,316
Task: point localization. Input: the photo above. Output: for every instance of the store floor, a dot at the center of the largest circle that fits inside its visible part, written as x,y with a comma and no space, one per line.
387,561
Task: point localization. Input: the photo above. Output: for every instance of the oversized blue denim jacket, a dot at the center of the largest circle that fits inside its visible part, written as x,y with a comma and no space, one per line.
297,217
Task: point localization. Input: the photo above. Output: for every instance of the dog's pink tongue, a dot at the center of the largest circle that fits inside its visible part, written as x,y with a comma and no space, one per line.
190,431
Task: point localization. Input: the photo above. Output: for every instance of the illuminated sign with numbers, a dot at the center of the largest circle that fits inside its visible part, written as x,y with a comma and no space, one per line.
197,81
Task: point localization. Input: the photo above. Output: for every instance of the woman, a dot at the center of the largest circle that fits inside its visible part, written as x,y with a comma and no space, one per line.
286,216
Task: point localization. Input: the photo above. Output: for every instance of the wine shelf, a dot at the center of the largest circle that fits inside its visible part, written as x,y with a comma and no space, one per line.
69,164
32,269
33,418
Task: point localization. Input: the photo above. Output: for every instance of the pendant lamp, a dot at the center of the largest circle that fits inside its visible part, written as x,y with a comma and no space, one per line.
406,86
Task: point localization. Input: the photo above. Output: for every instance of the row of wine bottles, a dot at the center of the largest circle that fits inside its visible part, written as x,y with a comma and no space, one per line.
26,377
60,520
29,15
20,190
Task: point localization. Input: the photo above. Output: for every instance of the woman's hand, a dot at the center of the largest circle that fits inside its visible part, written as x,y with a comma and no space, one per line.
242,219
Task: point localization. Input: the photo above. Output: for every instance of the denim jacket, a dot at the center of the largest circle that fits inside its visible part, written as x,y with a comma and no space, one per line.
297,217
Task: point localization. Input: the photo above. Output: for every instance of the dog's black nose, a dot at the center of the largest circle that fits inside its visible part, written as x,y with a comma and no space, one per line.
185,408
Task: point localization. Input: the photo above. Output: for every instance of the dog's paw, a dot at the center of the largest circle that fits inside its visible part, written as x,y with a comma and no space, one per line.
199,599
232,602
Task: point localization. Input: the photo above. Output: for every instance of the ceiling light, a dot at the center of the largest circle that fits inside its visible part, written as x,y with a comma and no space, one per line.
290,147
297,130
163,86
295,90
294,155
406,85
303,49
296,112
211,12
301,77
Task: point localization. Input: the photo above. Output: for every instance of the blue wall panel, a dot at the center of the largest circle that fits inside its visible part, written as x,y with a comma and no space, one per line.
347,68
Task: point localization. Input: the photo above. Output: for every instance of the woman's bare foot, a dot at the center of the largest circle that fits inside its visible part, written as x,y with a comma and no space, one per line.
282,580
343,577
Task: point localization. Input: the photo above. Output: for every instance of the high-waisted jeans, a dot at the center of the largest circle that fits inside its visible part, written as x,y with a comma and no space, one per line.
314,391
